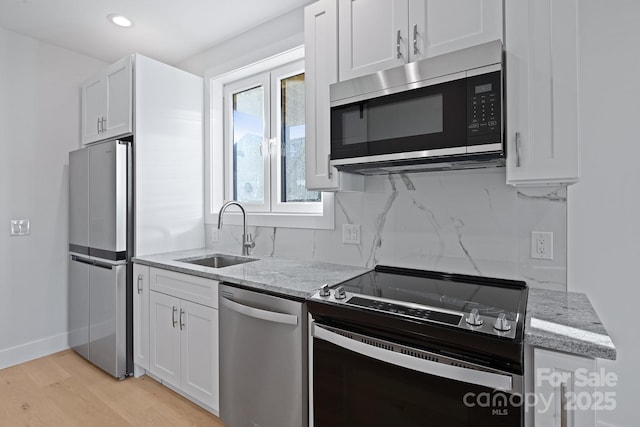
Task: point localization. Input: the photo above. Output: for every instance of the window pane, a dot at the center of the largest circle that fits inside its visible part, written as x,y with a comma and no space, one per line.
293,154
248,163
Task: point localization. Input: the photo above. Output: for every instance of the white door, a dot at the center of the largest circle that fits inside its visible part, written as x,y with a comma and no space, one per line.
141,316
321,70
441,26
164,340
199,343
93,108
373,36
559,378
118,114
542,92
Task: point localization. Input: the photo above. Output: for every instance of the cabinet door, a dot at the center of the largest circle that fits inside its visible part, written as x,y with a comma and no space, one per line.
556,375
94,102
542,85
441,26
164,340
199,348
141,316
321,70
373,36
119,97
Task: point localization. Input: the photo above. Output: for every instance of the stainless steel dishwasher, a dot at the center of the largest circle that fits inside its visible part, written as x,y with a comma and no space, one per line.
263,359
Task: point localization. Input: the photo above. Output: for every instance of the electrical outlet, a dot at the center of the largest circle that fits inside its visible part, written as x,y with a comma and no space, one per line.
541,245
215,235
351,234
20,227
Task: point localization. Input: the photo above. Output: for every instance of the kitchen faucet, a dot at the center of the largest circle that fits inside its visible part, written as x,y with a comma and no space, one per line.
247,243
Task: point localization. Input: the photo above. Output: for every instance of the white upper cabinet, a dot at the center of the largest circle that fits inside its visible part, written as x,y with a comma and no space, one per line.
373,35
107,100
321,70
379,34
542,92
441,26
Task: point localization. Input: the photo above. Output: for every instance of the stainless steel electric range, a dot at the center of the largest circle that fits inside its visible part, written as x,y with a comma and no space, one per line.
408,347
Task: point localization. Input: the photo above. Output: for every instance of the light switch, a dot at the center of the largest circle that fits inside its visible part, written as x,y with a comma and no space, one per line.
20,227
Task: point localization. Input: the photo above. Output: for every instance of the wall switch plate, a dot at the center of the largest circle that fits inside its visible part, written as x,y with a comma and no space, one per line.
351,234
541,245
20,227
215,235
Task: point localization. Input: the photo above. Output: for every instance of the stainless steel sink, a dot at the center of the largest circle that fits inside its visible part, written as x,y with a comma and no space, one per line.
217,260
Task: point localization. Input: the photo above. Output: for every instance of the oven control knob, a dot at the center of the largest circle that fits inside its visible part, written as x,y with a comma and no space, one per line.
325,291
340,293
474,318
502,324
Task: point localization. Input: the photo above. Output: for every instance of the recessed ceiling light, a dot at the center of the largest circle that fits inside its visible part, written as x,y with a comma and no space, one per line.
119,20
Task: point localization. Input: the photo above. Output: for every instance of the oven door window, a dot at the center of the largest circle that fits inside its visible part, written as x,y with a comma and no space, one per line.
427,118
353,390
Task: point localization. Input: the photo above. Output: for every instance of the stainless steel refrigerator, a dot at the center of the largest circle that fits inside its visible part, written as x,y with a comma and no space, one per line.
100,250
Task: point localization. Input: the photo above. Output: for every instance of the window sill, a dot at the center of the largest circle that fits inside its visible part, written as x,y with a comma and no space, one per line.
281,220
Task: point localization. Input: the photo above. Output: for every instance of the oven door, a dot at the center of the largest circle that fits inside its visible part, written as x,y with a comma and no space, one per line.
357,380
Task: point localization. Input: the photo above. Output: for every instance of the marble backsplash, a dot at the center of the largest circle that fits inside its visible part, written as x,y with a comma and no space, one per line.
467,222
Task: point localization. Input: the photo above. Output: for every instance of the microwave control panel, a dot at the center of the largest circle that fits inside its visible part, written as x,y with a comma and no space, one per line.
484,108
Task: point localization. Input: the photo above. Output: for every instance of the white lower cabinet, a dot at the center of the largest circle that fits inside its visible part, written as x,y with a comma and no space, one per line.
565,396
183,336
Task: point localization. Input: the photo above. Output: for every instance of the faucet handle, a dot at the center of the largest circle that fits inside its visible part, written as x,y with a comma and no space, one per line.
248,241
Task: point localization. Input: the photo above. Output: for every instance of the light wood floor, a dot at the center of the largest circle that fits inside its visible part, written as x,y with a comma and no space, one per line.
65,390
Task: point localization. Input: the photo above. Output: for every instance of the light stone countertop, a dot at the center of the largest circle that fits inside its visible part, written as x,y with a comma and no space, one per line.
292,278
561,321
566,321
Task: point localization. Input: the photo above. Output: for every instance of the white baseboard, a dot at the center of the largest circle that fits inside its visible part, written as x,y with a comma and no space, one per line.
32,350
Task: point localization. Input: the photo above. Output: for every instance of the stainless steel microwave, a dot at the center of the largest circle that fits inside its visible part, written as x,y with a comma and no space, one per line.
444,112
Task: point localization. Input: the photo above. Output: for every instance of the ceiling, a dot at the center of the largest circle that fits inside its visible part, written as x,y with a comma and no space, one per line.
168,30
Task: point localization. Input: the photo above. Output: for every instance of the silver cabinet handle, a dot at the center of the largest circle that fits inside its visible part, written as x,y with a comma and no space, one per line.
139,283
181,320
329,171
173,316
470,376
563,405
398,40
256,313
98,124
518,143
104,124
415,39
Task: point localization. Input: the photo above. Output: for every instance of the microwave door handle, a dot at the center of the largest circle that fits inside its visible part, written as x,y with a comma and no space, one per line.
329,170
482,378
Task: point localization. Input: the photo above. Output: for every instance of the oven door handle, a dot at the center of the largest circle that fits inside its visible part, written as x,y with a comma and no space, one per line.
471,376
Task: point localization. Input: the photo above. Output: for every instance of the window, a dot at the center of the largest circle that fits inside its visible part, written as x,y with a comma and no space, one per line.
262,142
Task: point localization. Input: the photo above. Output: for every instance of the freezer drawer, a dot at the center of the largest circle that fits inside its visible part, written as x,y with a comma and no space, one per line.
79,306
108,317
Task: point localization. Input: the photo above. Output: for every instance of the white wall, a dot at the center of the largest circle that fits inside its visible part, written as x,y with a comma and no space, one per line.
39,125
604,208
268,39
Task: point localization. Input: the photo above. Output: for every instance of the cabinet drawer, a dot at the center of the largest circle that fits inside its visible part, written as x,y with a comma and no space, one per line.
191,288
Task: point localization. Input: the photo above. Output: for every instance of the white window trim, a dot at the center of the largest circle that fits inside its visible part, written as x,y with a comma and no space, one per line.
214,155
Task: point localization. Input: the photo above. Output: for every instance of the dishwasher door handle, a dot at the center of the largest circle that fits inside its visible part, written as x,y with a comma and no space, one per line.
271,316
